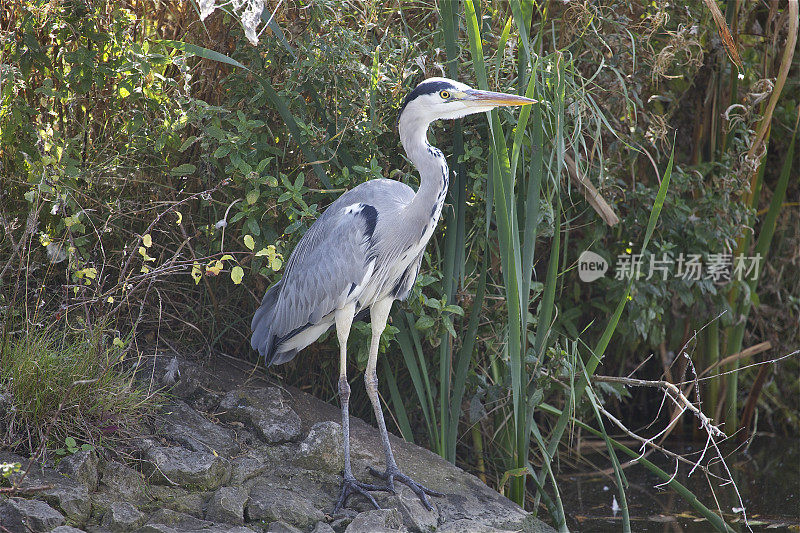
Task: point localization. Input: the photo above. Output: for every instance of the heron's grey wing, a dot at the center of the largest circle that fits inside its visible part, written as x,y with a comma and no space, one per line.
330,260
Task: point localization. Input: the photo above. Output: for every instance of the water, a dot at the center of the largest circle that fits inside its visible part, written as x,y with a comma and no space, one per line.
767,476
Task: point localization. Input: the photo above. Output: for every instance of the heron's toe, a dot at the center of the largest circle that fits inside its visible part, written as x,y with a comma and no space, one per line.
351,486
393,474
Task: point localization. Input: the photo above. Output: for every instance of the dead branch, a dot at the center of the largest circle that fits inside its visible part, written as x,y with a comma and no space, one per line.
591,194
673,392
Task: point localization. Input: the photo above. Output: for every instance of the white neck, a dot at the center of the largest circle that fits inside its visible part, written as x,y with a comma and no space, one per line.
426,207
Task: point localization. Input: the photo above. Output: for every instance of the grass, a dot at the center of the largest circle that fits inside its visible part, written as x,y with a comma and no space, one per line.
71,386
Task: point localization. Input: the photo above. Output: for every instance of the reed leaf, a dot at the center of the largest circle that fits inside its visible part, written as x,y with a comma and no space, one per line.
397,401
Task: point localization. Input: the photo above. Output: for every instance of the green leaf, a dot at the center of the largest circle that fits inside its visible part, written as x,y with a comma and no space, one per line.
200,51
432,302
448,324
252,196
70,442
187,143
424,323
291,228
249,242
252,226
453,309
183,170
237,274
222,151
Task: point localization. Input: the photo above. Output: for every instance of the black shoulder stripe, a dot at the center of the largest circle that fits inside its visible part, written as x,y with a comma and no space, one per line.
370,215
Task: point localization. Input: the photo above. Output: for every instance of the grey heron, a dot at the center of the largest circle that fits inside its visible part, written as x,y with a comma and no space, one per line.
362,254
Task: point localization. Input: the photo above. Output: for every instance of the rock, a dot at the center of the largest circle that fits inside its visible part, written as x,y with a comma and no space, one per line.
264,410
18,514
322,449
323,527
155,528
184,425
412,511
378,521
67,529
69,496
468,500
179,499
227,505
270,504
122,479
123,516
176,520
166,521
282,527
186,468
82,467
459,526
276,479
529,525
246,467
66,495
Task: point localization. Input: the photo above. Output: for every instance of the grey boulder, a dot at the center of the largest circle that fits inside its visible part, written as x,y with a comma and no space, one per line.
122,479
179,466
182,424
227,505
81,467
271,503
322,448
17,514
378,521
264,410
122,517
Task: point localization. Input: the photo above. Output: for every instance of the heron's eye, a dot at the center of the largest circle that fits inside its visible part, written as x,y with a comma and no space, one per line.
445,95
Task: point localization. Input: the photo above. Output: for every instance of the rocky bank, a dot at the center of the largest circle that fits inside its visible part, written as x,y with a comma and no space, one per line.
232,452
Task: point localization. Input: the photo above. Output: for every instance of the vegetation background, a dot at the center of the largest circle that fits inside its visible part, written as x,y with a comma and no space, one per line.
157,170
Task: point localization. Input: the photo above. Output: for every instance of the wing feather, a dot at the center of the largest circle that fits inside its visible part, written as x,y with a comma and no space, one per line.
326,266
319,277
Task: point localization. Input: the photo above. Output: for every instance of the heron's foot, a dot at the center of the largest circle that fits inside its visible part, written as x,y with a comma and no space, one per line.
393,474
350,486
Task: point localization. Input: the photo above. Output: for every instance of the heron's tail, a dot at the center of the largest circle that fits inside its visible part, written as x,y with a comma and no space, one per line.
263,339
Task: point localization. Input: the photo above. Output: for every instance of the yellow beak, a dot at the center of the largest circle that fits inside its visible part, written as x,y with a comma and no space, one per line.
493,98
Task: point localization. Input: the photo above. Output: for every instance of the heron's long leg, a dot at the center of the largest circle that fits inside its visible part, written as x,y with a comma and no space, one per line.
344,319
379,313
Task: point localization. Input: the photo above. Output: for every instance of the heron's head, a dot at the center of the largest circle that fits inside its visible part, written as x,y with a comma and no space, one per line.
442,98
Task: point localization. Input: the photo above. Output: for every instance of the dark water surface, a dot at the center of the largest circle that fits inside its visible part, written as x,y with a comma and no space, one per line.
767,476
